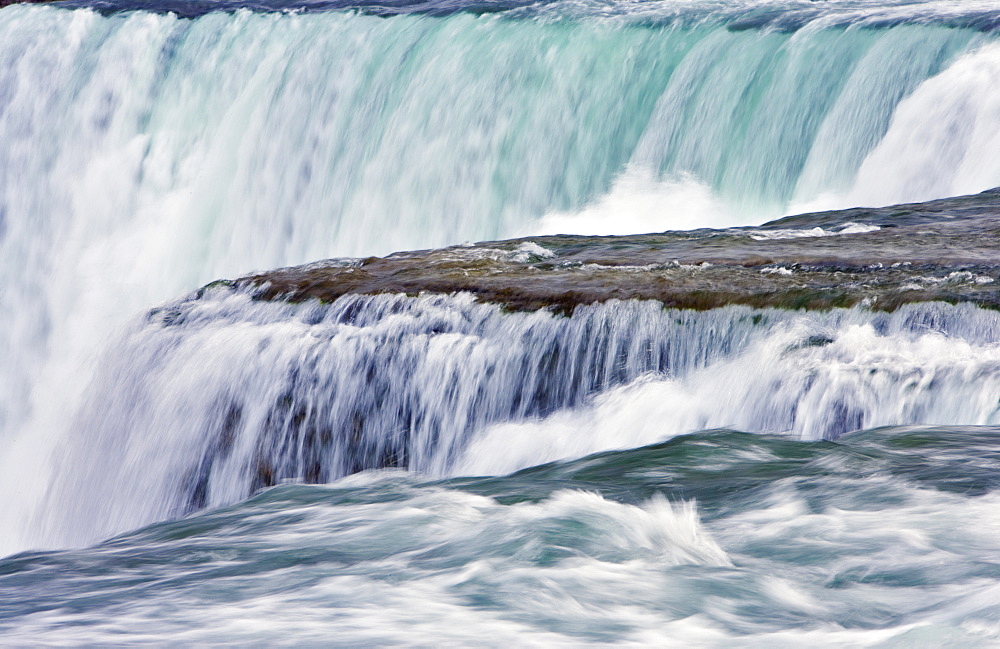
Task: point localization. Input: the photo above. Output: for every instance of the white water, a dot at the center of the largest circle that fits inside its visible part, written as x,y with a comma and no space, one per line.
863,379
426,608
211,399
142,155
911,572
942,141
639,202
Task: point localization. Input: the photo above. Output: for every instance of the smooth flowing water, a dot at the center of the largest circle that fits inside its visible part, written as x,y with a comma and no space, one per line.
148,148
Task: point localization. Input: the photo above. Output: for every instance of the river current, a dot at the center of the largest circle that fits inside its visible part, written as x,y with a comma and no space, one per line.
734,434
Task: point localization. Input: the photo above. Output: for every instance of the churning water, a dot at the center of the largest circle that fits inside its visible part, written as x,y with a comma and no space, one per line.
147,148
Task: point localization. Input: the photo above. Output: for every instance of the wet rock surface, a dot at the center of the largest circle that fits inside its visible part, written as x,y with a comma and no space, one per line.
946,250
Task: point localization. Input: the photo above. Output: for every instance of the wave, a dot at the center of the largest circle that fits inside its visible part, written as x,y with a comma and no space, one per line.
883,536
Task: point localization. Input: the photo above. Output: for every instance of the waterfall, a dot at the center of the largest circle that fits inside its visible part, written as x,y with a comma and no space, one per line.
143,154
208,399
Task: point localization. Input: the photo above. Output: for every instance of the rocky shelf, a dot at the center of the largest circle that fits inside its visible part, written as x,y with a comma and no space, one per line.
946,250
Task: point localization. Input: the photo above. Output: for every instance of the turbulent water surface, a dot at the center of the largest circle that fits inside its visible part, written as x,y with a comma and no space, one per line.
884,538
734,433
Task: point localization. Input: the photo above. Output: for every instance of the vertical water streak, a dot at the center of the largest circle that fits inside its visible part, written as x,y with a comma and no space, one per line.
142,155
208,400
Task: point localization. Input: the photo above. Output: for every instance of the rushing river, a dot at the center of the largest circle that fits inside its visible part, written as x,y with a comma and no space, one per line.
884,538
424,468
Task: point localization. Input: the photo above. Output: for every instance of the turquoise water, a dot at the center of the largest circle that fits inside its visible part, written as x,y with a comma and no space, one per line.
142,154
269,139
883,538
152,462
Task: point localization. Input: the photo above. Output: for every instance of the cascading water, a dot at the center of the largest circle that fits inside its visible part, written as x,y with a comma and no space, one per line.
210,399
142,154
145,152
